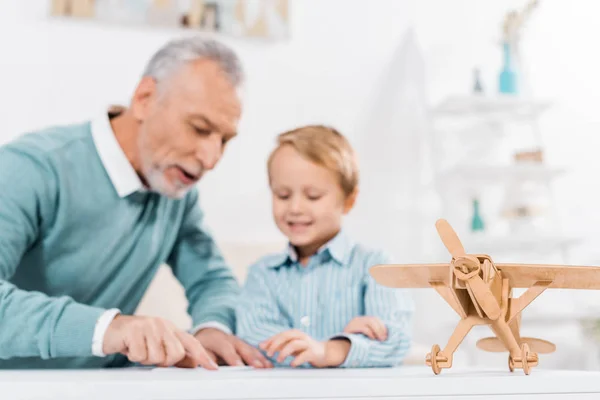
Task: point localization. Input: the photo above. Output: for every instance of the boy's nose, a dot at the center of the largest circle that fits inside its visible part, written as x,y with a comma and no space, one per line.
296,205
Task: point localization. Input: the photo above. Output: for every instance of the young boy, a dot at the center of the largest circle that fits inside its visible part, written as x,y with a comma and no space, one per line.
315,305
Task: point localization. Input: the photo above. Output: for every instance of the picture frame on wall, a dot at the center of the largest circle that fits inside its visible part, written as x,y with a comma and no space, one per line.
242,18
210,17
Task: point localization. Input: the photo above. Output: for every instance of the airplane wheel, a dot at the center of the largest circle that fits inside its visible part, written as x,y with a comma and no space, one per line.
524,355
435,350
511,364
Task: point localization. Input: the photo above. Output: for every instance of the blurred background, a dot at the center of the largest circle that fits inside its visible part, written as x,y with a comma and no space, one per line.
483,113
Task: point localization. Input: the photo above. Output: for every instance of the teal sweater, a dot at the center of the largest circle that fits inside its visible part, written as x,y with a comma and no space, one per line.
70,248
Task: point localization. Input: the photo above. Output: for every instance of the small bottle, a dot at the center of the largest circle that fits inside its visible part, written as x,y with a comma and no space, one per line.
477,224
477,86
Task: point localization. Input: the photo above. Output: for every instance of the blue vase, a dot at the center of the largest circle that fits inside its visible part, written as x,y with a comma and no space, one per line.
477,224
508,75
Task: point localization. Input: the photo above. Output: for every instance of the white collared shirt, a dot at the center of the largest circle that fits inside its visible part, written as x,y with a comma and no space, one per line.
126,181
115,162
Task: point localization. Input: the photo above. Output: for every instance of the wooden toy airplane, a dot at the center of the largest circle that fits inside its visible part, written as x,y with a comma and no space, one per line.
481,293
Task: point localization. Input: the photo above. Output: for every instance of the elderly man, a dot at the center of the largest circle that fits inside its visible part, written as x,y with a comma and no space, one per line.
88,213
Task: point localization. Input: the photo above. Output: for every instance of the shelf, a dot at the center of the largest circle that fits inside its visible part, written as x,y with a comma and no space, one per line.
535,243
499,106
492,174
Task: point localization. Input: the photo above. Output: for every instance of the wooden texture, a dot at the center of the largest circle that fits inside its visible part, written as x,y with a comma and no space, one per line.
520,275
561,276
458,304
411,276
449,238
484,297
495,345
480,292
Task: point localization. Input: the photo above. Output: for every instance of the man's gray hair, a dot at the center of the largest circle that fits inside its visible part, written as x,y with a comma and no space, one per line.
176,53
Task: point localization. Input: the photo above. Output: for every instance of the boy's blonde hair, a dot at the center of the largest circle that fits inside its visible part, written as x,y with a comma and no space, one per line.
326,147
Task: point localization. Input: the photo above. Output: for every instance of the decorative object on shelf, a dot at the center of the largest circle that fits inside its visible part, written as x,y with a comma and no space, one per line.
477,224
74,8
245,18
481,293
477,86
525,204
163,13
210,17
525,207
514,21
530,156
507,81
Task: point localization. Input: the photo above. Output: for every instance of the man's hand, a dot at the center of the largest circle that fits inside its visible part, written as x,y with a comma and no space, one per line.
230,349
154,341
372,327
305,349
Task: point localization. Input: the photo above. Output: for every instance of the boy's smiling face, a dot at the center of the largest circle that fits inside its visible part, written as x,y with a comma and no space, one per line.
308,201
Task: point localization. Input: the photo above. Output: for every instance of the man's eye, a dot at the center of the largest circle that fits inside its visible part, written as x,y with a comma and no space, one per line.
201,131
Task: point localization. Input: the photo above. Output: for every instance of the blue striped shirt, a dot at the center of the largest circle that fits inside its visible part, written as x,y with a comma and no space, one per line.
321,298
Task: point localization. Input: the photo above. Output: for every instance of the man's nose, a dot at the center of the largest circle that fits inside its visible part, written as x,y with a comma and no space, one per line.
210,150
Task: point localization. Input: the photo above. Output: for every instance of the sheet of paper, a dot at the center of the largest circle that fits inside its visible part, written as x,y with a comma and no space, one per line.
200,369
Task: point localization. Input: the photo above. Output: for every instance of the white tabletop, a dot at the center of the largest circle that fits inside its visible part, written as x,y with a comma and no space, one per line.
247,383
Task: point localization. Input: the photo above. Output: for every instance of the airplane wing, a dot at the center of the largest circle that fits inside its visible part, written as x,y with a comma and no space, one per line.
562,276
410,275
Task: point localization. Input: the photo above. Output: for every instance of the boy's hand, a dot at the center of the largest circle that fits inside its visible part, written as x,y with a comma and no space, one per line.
305,349
372,327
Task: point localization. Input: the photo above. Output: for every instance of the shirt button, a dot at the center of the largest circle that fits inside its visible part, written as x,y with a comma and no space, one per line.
305,321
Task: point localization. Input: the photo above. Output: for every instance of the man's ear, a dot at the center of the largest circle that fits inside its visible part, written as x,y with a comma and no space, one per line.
143,97
350,200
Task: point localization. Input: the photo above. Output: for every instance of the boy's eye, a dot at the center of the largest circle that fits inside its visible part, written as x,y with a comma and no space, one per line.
314,197
282,196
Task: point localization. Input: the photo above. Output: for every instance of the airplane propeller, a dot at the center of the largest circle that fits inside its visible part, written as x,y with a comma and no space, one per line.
466,268
450,238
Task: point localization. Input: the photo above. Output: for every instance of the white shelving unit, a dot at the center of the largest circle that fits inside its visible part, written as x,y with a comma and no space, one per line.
495,174
473,142
497,106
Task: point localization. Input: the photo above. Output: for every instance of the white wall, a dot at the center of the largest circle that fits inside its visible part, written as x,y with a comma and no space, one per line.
52,71
56,71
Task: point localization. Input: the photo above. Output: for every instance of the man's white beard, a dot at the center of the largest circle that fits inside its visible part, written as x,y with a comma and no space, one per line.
158,183
155,178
